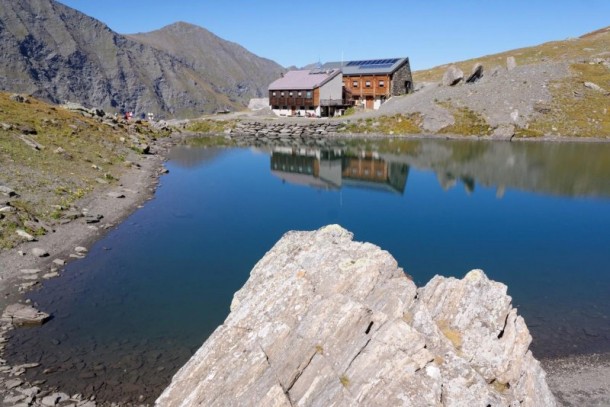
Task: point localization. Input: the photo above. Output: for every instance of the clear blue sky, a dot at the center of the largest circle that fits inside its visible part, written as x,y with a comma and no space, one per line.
301,32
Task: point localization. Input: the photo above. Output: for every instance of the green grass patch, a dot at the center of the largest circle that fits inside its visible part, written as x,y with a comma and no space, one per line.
576,110
207,126
467,122
397,124
75,150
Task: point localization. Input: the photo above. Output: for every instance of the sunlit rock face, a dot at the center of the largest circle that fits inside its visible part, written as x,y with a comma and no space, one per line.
324,320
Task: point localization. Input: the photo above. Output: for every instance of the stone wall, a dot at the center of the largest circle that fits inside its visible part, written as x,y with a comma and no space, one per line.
324,320
314,133
400,77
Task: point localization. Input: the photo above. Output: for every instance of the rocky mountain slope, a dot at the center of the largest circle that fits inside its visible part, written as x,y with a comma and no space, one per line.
230,68
324,320
59,54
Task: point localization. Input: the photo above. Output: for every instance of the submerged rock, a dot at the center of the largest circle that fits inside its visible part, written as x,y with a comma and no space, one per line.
324,320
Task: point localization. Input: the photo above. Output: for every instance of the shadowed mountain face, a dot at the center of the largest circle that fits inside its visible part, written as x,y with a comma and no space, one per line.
59,54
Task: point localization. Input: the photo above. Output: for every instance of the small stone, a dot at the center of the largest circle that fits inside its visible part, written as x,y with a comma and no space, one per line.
11,384
511,63
7,209
59,150
13,399
59,262
80,249
30,271
15,97
32,391
7,191
26,286
49,276
93,218
116,195
594,86
25,235
27,366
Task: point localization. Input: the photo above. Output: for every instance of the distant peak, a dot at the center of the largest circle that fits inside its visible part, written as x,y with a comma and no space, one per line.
183,26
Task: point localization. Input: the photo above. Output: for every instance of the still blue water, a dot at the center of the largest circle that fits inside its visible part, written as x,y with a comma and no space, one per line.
150,292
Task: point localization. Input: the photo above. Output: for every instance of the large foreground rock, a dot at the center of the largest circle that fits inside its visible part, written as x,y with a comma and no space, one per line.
327,321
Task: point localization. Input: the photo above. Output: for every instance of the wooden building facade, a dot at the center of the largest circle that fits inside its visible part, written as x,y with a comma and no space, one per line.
372,82
312,93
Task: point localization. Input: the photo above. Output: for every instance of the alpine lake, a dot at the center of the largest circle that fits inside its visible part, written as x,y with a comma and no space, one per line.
533,215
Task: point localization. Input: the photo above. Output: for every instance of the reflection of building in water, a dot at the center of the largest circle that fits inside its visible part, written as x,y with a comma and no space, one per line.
331,169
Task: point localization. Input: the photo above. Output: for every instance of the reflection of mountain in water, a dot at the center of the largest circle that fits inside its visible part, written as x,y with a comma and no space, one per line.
335,168
569,169
189,157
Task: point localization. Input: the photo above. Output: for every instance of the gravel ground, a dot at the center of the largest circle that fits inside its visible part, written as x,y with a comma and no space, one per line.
580,380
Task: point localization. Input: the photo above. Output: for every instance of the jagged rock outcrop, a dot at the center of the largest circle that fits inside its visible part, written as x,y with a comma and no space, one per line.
324,320
58,54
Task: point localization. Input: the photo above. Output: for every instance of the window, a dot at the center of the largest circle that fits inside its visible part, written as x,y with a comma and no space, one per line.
290,93
355,84
381,84
367,84
273,93
299,93
281,93
308,94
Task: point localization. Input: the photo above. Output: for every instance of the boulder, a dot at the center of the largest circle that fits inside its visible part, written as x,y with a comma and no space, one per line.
21,314
477,73
453,76
324,320
511,63
38,252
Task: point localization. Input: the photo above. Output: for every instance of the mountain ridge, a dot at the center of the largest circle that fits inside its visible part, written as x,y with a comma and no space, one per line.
205,51
59,54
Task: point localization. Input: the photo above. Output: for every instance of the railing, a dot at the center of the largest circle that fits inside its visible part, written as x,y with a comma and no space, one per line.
332,102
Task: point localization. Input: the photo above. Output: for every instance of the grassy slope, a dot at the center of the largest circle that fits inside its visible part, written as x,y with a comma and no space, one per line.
575,110
48,179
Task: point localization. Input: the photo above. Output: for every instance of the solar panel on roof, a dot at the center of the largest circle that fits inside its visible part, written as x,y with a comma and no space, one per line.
382,66
373,63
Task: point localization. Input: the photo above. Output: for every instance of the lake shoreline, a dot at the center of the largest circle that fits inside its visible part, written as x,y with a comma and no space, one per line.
136,186
143,183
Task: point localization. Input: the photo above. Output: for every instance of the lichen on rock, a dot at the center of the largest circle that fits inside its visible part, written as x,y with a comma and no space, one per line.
324,320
